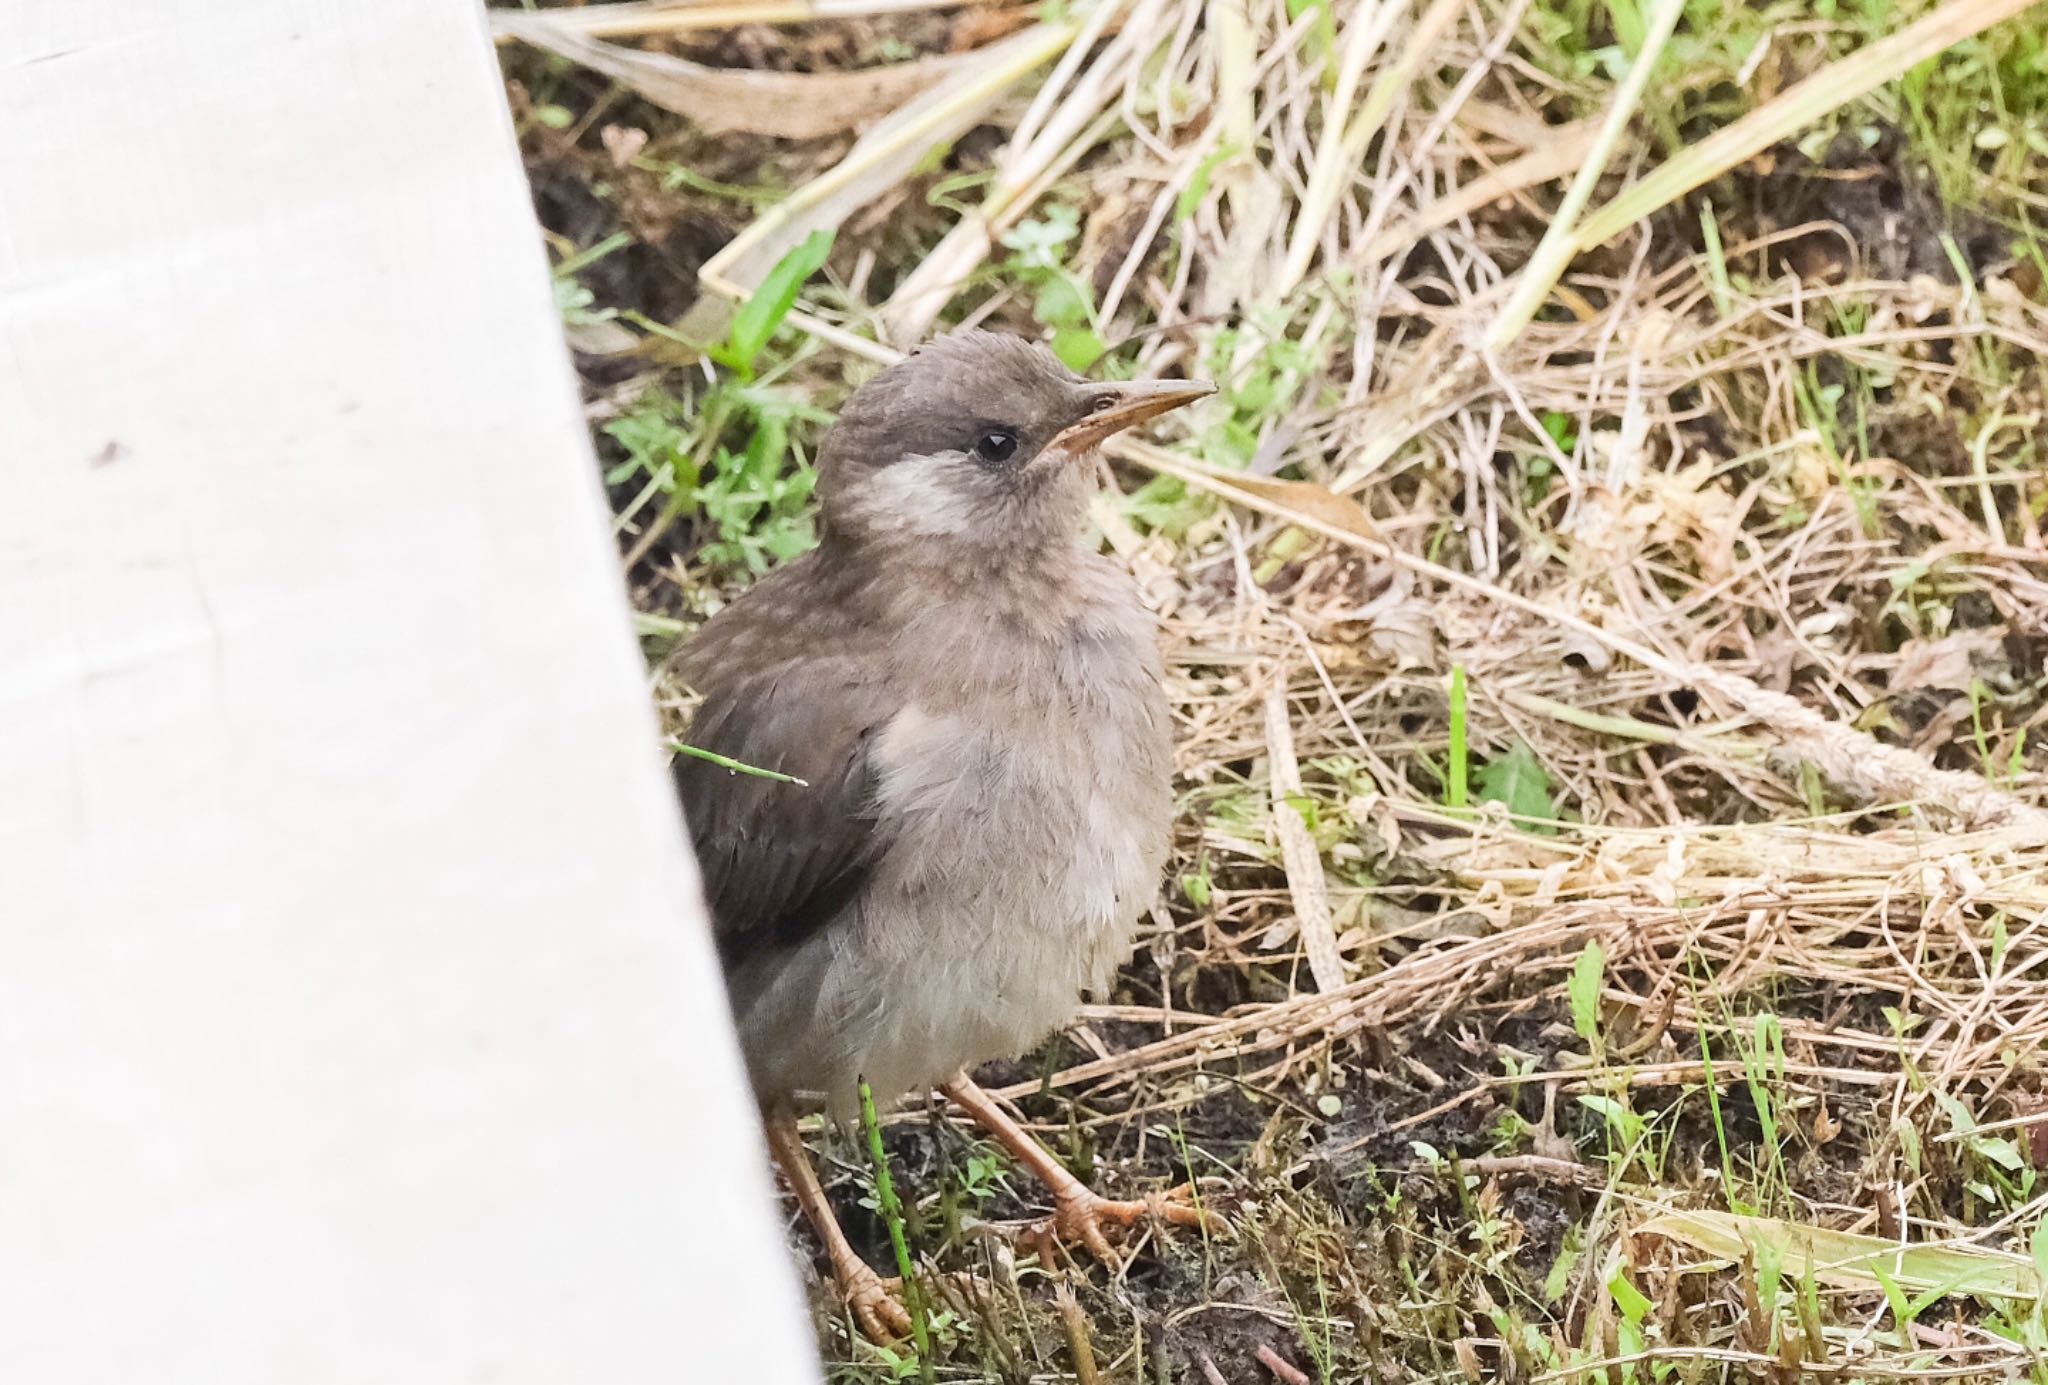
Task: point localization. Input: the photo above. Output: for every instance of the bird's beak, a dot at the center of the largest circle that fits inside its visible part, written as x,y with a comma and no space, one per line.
1117,406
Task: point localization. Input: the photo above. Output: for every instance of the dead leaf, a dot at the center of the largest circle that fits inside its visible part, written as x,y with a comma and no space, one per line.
1308,498
785,105
1692,508
1236,273
1825,1126
876,163
1344,597
622,142
1591,654
1809,472
1948,662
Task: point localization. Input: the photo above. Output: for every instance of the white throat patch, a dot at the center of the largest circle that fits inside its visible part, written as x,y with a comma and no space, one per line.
917,496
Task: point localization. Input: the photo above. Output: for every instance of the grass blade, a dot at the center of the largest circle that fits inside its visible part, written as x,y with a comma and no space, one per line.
726,762
766,306
892,1214
1845,1260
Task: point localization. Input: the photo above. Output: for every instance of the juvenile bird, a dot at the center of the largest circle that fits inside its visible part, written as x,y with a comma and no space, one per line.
971,699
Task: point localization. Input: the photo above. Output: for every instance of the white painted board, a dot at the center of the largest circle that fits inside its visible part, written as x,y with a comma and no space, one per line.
358,1021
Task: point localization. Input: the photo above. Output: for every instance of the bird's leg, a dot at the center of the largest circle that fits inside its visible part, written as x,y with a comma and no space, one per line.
876,1308
1078,1212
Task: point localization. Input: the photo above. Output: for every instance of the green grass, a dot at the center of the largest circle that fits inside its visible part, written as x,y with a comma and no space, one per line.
892,1216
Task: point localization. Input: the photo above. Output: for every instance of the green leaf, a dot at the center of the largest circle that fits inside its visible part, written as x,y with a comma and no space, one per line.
1559,428
1078,347
1229,444
653,442
1192,195
766,445
1627,1297
1812,789
1605,1107
1842,1259
789,539
1040,245
1062,302
1456,787
1629,24
2005,1153
1518,781
766,306
1559,1280
1587,974
1958,1114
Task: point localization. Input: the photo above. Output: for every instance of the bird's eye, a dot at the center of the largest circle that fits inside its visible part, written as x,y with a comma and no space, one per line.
996,445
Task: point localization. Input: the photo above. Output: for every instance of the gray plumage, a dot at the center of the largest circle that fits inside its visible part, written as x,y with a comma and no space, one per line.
974,698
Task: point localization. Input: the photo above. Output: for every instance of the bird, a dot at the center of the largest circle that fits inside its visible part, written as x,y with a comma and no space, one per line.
961,703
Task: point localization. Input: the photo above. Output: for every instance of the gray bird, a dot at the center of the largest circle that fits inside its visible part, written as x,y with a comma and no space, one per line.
971,698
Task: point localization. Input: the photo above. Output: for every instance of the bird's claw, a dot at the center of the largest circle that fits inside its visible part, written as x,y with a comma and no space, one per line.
1082,1216
875,1304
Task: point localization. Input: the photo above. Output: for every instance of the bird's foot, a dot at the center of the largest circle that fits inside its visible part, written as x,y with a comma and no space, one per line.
1082,1216
876,1303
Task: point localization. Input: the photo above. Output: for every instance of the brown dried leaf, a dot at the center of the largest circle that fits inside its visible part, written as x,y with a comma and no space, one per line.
622,143
1694,508
1944,663
785,105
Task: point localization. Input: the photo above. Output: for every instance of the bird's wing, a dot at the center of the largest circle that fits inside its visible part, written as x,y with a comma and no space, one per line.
780,860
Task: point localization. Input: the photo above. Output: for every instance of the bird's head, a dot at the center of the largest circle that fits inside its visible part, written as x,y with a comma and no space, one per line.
976,437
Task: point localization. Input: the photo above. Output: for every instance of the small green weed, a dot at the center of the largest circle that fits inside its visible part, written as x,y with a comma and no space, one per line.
725,452
1518,782
757,318
753,501
1060,298
1457,787
892,1215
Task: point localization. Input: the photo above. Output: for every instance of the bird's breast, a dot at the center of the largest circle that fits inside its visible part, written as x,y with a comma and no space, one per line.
1027,784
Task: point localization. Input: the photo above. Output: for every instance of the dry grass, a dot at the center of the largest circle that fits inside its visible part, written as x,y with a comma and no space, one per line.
1715,883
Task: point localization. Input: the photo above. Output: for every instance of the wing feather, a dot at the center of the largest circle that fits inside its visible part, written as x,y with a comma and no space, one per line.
780,860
